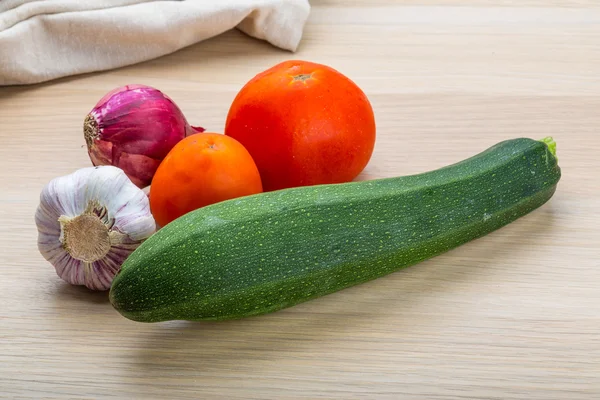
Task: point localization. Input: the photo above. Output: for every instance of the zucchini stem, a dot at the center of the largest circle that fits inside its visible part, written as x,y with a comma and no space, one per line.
551,145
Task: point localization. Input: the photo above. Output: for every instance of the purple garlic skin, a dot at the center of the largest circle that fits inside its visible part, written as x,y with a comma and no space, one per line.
89,222
134,127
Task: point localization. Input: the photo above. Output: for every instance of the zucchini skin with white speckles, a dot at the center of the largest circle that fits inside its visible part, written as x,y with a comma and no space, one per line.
262,253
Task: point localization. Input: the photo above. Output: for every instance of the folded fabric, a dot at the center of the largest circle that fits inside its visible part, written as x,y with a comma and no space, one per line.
42,40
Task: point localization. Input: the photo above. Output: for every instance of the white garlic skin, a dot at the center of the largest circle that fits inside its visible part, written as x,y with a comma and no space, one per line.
116,209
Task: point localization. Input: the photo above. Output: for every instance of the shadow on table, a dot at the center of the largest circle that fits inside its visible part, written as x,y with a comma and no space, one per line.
65,292
309,327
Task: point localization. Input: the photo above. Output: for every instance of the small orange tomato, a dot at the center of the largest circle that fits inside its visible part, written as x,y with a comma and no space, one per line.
202,169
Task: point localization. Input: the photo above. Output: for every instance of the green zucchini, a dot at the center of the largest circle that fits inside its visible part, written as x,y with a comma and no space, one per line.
262,253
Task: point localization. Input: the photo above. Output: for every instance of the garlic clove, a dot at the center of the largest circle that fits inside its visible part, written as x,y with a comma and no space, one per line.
89,222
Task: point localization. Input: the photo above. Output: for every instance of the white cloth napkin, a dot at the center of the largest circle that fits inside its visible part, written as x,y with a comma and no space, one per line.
42,40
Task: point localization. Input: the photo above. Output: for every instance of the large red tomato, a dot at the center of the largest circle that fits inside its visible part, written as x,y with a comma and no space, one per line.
304,124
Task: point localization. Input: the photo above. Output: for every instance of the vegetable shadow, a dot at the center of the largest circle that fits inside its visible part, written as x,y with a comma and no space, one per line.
67,293
226,347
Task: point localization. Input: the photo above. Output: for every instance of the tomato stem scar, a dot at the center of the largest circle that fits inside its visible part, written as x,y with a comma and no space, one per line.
302,77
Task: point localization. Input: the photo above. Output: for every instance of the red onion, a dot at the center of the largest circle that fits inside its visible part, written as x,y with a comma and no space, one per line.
133,127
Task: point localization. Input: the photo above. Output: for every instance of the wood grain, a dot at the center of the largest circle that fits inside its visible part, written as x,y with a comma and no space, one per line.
514,315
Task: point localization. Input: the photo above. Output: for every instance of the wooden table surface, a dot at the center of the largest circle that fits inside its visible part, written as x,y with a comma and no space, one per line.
514,315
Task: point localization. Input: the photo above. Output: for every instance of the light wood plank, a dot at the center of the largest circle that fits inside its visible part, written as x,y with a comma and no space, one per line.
514,315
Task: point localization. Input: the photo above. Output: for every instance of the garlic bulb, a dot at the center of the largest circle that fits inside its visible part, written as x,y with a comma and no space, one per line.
89,222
